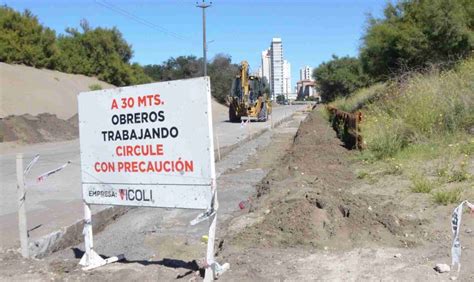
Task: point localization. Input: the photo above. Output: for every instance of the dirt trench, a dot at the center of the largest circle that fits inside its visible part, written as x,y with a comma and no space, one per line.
307,199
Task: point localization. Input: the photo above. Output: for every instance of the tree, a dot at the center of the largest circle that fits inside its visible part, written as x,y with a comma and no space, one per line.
175,68
280,98
339,77
138,75
23,40
222,73
99,52
417,33
220,70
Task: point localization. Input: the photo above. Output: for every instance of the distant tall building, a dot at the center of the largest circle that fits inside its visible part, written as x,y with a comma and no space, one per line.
305,73
286,77
266,66
276,81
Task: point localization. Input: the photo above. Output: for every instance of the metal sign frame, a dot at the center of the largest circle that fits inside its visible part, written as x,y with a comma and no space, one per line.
197,191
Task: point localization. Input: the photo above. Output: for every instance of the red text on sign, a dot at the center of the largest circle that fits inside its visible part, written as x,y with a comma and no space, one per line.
140,102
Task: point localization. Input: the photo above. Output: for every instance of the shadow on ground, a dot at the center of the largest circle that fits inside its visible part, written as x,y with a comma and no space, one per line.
192,266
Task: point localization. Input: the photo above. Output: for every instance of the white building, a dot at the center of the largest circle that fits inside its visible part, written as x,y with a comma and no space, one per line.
286,77
293,95
305,73
276,79
306,88
266,66
259,72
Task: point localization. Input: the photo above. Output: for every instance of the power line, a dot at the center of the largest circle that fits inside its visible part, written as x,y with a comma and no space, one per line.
137,19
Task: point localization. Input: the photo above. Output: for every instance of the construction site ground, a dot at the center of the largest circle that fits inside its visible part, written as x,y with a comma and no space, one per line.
292,209
47,200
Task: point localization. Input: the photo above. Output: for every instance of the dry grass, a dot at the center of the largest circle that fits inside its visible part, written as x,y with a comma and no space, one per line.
445,197
421,184
425,109
416,122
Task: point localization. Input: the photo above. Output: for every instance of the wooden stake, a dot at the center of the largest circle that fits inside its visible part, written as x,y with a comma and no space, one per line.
22,224
218,147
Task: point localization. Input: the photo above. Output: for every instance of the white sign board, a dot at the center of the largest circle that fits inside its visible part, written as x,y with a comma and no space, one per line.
148,145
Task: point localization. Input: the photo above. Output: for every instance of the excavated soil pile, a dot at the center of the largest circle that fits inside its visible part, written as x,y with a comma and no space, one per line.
307,199
49,128
34,129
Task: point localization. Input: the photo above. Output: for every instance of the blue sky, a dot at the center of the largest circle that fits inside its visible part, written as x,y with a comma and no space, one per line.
311,30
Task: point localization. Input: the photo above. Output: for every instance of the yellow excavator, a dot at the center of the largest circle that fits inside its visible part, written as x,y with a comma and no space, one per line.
248,100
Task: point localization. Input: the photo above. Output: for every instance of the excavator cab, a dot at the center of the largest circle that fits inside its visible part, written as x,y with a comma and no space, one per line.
248,100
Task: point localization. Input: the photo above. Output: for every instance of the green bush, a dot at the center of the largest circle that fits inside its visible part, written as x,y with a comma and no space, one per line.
339,77
421,184
414,34
383,136
23,40
446,197
362,174
95,86
98,52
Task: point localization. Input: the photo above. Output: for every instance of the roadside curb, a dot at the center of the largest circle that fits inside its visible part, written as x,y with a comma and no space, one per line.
228,149
72,234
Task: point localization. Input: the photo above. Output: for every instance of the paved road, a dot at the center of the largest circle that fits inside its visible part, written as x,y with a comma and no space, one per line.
57,202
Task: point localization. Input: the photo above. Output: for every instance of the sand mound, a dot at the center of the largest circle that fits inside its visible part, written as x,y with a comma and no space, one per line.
27,90
39,105
307,199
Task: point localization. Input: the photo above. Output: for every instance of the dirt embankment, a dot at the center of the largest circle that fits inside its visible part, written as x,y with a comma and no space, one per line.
39,105
35,129
28,90
307,199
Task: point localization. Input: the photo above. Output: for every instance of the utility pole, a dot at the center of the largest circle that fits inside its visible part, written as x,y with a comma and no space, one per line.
203,6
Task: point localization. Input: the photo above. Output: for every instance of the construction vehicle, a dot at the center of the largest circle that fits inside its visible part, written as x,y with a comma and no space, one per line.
248,100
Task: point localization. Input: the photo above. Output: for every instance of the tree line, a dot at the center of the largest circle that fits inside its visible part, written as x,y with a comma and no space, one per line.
220,69
412,35
99,52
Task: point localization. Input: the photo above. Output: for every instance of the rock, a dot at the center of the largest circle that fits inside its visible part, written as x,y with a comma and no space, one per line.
442,267
471,130
397,255
453,278
468,231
